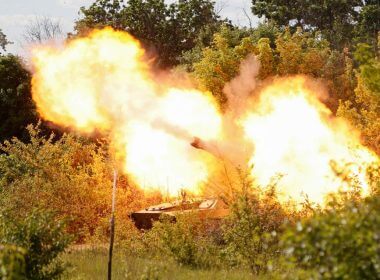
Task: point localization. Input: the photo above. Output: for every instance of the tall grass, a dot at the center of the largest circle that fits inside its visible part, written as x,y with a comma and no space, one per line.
91,263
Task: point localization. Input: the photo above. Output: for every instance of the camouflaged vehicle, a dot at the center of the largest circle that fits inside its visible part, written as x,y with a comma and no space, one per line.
213,209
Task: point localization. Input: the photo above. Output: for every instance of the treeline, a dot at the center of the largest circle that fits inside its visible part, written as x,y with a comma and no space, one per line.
54,186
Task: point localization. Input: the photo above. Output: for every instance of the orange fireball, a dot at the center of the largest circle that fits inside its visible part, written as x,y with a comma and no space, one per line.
297,138
101,82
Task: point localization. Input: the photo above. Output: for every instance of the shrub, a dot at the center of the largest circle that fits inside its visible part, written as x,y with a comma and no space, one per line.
12,262
187,241
340,243
252,229
70,176
42,237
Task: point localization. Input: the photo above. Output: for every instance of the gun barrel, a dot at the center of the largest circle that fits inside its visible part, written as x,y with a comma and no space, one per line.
198,143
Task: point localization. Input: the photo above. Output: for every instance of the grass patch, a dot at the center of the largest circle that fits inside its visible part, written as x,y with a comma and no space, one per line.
91,263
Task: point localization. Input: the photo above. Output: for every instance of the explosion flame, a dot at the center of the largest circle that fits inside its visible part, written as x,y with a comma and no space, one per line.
296,136
102,82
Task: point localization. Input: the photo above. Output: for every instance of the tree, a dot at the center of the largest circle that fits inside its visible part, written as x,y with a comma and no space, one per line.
16,105
334,18
165,30
266,58
100,14
41,237
42,29
220,62
301,53
279,11
369,66
364,110
232,34
268,30
293,53
368,23
3,41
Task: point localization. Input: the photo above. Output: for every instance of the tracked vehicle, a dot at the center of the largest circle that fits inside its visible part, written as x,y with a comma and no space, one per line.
213,209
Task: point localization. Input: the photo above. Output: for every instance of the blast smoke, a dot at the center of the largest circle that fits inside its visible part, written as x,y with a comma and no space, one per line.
240,88
232,147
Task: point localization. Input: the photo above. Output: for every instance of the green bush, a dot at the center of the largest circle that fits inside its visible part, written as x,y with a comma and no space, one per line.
339,243
42,237
17,108
188,241
252,229
71,176
12,262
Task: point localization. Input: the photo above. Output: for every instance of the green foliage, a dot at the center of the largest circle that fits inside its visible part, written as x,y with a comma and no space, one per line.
277,11
69,176
168,29
291,53
266,58
232,34
301,53
43,238
12,262
340,243
100,14
364,115
364,110
252,230
369,66
335,19
3,41
188,241
220,62
368,26
268,30
17,109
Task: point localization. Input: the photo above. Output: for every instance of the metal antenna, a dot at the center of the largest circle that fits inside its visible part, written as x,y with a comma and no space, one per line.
112,221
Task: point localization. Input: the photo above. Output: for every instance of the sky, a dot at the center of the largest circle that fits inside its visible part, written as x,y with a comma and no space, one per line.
15,15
